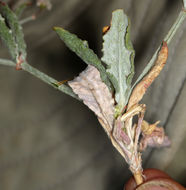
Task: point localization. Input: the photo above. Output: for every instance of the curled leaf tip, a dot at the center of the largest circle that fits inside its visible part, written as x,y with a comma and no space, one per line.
164,47
55,27
105,29
163,54
164,43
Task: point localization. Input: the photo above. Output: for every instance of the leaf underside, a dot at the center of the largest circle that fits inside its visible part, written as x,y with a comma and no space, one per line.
96,95
118,55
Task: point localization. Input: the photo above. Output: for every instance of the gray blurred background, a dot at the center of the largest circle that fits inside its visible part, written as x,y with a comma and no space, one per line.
50,141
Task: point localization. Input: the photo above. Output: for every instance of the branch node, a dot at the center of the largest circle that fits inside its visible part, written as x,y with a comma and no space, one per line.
19,62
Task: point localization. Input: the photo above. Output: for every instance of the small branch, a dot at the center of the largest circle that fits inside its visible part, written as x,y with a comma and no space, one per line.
175,26
138,177
28,19
168,38
7,62
40,75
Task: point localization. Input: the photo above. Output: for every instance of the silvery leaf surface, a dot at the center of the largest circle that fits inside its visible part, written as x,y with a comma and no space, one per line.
118,55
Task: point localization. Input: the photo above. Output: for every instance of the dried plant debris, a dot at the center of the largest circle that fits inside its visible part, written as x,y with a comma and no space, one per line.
153,136
105,88
140,89
96,95
115,109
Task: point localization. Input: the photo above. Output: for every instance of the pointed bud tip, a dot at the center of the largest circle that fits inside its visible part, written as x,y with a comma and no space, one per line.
57,28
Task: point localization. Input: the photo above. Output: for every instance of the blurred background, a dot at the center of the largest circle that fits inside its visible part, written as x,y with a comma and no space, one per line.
50,141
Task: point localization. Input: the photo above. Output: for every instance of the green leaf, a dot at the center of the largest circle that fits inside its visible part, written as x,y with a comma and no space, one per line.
15,28
118,55
81,48
7,38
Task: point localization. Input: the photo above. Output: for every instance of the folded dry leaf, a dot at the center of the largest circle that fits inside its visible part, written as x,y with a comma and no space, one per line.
141,87
154,138
96,95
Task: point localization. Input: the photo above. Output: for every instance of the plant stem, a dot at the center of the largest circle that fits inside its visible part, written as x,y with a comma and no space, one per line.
28,19
42,76
175,26
168,38
138,177
7,62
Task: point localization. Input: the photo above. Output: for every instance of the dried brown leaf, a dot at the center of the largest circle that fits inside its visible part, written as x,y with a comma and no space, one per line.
155,137
147,128
141,87
96,95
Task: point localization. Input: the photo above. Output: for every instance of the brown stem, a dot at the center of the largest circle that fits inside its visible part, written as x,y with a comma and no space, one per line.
138,177
138,131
